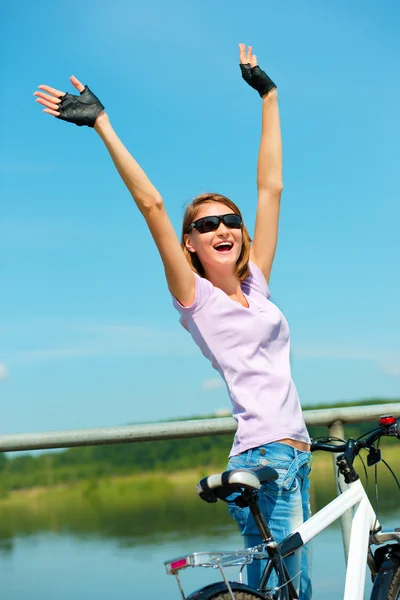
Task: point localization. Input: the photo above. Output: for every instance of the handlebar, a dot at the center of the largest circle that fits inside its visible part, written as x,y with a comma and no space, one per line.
388,426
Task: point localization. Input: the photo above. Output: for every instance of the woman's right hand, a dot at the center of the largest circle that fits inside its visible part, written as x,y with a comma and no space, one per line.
81,110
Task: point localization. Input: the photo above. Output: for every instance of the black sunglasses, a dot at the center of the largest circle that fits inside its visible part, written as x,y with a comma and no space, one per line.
207,224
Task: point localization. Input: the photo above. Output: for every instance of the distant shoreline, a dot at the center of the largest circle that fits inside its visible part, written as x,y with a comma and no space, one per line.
155,487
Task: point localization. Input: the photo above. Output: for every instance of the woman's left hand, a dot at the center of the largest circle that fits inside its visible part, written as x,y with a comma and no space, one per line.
251,72
247,56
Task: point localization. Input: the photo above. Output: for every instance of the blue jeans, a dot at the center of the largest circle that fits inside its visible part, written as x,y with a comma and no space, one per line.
284,503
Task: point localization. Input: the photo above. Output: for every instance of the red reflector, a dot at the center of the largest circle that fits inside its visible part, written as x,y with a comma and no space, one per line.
177,564
387,420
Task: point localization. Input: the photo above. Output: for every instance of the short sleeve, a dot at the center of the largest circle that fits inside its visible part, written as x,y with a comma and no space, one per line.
204,289
257,281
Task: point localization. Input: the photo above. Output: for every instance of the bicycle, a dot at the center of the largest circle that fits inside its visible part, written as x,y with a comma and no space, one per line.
366,531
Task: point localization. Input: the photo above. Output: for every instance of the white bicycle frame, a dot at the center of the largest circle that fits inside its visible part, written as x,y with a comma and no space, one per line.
364,525
365,530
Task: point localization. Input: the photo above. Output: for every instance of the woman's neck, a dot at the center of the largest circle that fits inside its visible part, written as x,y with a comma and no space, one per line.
227,282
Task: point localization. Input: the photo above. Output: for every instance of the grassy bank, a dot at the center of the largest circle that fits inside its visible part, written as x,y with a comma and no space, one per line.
155,488
135,509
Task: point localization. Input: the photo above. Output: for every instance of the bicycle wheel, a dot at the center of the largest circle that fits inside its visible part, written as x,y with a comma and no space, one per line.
218,591
387,585
387,581
238,596
394,591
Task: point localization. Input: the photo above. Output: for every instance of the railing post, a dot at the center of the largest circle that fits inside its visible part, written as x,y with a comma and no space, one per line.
337,430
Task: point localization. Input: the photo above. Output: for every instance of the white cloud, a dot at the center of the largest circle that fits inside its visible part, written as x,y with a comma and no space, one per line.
28,167
90,338
108,340
335,352
223,412
44,233
44,354
387,361
390,368
347,352
3,371
212,384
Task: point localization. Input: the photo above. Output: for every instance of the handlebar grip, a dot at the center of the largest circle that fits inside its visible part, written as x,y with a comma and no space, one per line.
390,425
397,428
327,447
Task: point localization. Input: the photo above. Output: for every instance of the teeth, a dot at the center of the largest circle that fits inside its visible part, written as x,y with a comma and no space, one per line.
220,245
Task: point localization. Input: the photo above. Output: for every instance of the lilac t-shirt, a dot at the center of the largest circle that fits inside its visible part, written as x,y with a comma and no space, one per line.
250,349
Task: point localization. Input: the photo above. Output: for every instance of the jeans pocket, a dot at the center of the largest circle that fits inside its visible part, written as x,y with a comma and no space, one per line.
234,462
240,515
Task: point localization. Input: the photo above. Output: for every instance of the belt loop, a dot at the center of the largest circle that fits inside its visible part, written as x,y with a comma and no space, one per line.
291,474
248,457
296,456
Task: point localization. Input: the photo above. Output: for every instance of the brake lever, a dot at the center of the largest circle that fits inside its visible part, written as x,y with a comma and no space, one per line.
394,430
374,456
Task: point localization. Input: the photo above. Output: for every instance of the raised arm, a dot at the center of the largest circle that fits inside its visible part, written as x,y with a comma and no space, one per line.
86,109
269,169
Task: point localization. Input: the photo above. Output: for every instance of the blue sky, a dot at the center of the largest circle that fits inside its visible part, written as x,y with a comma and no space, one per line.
88,334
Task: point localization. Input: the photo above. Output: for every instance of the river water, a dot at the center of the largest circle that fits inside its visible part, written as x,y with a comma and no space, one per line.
117,560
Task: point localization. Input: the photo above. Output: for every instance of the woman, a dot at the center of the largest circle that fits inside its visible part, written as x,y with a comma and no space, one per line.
218,281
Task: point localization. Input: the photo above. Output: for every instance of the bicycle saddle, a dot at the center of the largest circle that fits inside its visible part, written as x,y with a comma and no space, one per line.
222,485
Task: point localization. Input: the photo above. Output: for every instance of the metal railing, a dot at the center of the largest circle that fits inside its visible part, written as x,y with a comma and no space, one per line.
333,418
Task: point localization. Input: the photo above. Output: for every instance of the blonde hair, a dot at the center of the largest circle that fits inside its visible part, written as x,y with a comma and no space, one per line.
242,263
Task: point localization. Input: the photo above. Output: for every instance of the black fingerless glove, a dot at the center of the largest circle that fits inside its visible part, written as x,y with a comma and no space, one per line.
257,78
81,110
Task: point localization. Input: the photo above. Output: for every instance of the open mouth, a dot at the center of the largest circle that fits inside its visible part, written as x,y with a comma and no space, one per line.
223,246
